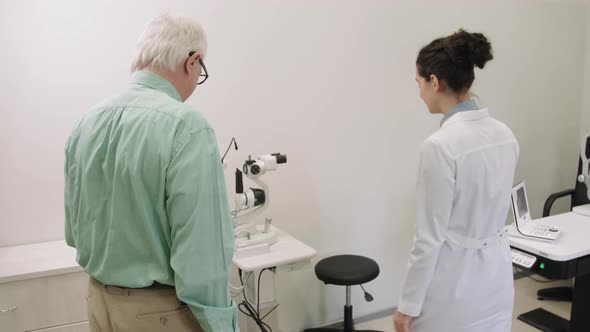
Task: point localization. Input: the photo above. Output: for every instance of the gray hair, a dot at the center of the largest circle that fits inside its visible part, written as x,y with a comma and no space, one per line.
166,42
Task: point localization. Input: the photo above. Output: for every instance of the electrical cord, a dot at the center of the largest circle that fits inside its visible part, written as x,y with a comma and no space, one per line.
252,314
258,296
248,309
233,140
530,275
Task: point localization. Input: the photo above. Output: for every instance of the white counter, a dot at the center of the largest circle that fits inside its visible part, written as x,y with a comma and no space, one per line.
36,261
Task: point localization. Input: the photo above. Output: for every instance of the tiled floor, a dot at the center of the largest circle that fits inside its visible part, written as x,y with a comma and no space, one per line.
525,299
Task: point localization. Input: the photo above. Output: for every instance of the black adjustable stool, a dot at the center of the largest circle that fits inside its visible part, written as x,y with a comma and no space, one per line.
346,270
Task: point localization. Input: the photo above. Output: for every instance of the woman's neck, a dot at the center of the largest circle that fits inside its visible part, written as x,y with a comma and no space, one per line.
448,103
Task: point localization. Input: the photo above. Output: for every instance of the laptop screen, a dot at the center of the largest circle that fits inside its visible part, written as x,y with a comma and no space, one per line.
521,205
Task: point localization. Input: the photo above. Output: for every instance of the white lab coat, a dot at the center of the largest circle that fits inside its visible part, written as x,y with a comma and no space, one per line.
460,269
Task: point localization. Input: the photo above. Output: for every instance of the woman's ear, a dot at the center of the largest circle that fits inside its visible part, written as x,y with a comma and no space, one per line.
437,84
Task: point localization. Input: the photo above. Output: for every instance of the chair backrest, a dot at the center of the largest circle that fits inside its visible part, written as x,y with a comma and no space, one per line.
580,196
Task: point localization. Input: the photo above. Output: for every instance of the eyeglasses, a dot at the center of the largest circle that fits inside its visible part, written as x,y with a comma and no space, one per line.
202,77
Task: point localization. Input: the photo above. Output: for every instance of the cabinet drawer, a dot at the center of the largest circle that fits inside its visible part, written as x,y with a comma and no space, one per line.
8,319
46,302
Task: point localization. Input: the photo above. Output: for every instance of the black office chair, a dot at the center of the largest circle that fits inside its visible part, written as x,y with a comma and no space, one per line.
579,196
346,270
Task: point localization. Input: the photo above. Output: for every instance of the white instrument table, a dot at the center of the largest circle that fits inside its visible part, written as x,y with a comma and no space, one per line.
566,257
286,251
573,242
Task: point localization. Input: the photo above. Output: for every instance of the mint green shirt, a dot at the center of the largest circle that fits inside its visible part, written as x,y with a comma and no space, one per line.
145,199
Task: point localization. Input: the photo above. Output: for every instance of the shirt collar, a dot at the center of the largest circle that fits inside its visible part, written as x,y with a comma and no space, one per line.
468,105
474,115
156,82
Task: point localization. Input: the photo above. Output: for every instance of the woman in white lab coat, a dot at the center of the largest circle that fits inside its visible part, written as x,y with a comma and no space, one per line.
460,270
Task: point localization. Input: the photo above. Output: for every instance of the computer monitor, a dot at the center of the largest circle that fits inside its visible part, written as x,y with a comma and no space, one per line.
525,225
520,204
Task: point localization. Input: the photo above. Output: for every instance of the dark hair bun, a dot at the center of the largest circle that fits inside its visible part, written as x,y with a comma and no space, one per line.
466,48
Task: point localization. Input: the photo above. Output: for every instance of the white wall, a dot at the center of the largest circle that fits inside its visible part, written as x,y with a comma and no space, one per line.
330,83
585,112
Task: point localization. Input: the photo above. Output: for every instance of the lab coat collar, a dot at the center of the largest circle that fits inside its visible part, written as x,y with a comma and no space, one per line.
468,105
156,82
467,116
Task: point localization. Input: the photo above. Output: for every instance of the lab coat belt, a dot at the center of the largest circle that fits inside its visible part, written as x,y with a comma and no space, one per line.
471,243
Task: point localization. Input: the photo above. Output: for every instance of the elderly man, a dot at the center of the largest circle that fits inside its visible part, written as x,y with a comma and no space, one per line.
145,199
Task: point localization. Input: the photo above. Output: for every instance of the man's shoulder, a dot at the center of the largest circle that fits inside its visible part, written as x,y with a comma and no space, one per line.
156,105
146,100
192,118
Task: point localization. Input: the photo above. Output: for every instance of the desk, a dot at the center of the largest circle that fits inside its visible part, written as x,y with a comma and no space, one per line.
566,257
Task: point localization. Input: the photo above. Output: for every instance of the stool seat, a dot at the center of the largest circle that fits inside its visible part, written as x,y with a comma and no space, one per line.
346,270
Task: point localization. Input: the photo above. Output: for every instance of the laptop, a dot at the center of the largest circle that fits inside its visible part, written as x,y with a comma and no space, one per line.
525,225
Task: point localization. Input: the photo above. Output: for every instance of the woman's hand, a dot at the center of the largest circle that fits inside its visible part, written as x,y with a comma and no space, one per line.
401,322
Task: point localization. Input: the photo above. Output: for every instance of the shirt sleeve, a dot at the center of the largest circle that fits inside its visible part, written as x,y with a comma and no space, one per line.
67,220
201,231
435,192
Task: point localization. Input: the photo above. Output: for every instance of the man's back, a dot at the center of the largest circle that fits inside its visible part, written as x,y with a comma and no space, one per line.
145,195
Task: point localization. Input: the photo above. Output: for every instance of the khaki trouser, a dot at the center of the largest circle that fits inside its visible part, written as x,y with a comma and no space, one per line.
114,309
